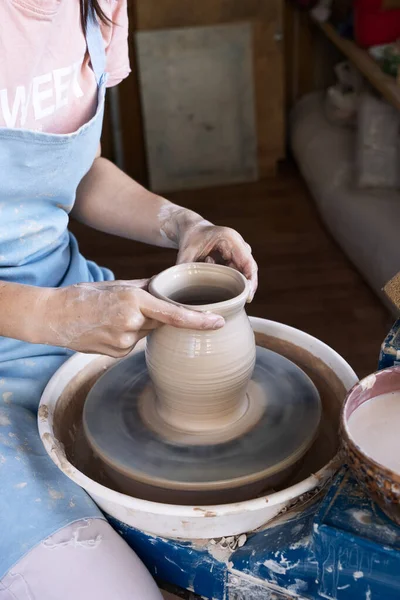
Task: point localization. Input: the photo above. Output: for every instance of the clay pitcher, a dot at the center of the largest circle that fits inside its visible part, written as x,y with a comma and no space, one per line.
201,378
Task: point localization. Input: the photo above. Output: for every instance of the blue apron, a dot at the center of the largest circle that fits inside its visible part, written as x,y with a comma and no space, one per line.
39,175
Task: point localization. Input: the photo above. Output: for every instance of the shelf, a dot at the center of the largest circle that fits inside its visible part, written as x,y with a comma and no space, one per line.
385,84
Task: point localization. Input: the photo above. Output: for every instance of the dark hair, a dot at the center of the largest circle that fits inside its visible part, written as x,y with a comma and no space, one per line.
92,6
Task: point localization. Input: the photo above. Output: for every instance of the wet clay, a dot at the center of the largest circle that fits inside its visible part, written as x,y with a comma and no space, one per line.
253,409
199,240
69,430
374,427
201,377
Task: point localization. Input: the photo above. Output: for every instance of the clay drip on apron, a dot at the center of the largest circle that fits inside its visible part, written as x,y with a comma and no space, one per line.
201,378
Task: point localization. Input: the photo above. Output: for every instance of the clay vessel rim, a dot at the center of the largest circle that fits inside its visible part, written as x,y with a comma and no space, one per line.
210,485
345,430
232,303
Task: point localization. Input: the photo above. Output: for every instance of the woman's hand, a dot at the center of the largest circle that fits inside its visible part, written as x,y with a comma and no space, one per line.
203,241
110,317
110,201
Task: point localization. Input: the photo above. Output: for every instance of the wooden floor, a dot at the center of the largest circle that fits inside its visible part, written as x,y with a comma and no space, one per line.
305,279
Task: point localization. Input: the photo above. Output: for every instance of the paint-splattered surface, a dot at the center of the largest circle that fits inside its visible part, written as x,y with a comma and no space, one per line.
340,548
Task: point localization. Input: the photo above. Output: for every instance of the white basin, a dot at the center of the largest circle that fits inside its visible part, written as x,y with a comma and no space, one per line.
332,375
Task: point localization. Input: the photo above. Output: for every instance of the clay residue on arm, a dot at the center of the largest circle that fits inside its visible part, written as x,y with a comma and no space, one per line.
109,200
21,311
175,220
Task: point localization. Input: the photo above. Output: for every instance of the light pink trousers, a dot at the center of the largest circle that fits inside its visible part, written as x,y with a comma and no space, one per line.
87,560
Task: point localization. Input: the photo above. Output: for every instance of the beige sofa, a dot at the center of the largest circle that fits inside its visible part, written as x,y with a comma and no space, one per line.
365,223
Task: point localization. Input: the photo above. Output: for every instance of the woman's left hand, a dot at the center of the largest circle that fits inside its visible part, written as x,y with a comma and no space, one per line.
209,243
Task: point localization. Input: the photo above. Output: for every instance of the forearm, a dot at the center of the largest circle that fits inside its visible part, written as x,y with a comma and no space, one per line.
22,312
110,201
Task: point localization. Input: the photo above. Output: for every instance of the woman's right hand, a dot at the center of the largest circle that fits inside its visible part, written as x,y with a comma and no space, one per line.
110,317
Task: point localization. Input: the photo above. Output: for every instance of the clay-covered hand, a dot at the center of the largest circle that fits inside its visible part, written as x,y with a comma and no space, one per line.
203,241
110,317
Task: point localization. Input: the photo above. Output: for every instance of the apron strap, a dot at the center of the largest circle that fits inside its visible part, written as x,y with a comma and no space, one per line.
95,45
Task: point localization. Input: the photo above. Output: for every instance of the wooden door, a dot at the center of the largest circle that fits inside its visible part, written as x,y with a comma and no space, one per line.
242,39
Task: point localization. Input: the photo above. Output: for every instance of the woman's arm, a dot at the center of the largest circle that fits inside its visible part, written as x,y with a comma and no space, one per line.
109,317
22,312
110,201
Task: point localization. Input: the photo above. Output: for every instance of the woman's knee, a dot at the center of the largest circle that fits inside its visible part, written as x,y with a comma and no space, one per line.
86,560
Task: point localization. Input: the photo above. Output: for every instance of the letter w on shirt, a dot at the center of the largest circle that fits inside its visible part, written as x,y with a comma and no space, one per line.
46,94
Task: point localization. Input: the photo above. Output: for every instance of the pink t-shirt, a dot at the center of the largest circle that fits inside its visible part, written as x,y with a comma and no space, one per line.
46,82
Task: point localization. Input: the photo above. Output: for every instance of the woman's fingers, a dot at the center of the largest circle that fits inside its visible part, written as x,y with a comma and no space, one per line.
230,247
141,284
121,350
116,286
248,266
238,255
188,255
177,316
149,324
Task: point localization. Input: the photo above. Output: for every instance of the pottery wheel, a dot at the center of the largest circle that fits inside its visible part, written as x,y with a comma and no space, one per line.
277,428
